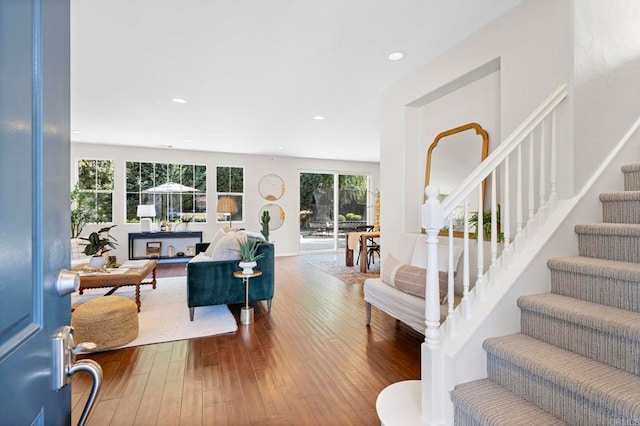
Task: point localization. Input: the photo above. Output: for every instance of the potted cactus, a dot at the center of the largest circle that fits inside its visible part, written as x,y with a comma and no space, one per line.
264,220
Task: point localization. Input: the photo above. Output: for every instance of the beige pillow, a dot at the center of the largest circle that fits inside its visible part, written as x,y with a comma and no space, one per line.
227,248
214,241
411,279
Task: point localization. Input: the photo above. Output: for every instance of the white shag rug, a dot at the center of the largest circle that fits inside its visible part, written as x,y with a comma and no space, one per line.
164,314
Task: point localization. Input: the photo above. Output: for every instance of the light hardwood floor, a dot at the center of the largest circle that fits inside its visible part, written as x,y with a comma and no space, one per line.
311,360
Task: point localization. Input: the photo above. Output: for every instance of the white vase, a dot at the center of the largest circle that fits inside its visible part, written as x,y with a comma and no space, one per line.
97,262
247,267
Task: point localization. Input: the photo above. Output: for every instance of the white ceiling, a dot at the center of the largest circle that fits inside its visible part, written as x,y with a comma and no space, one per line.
254,72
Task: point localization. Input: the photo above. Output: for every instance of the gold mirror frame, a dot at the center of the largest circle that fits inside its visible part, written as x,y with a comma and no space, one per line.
483,154
271,187
276,213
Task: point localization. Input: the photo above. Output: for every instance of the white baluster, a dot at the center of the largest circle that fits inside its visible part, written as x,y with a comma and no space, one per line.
493,270
505,216
480,285
542,205
465,252
451,325
531,206
519,201
553,193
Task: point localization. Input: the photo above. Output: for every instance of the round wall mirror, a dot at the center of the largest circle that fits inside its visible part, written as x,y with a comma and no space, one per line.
276,213
271,187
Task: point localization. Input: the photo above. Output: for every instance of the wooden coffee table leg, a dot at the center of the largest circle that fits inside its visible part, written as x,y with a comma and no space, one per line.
138,295
154,278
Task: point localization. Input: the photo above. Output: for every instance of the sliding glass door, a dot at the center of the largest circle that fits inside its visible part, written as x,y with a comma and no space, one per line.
328,211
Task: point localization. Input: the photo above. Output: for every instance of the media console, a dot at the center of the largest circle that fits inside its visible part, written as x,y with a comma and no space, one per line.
170,243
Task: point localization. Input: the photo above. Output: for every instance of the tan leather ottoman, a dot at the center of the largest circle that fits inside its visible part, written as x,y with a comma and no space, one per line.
108,321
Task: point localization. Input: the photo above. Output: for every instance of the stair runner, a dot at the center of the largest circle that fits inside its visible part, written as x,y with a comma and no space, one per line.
576,359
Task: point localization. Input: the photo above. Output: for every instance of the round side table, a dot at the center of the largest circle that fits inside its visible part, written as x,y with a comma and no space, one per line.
246,313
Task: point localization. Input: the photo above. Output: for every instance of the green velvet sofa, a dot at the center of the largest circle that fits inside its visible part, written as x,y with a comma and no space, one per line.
212,283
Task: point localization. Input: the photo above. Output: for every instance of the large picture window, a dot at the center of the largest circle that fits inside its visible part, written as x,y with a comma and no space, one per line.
95,181
179,191
230,192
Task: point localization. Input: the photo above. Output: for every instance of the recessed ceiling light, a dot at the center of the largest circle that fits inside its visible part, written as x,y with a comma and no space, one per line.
396,56
318,117
356,152
280,147
187,140
179,100
76,132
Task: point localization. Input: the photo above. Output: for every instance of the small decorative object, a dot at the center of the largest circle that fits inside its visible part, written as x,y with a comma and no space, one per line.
186,219
154,248
97,244
264,220
249,252
180,254
191,251
171,251
163,226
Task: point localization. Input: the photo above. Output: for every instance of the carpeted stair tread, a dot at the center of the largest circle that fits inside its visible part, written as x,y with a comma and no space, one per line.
614,229
627,271
631,174
620,196
593,315
614,241
585,379
488,403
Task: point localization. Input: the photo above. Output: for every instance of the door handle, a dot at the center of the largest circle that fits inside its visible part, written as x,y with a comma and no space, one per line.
65,366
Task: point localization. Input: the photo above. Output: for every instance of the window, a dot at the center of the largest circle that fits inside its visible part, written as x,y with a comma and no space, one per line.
230,189
178,191
95,181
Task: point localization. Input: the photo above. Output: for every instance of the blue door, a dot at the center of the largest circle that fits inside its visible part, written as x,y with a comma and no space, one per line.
34,206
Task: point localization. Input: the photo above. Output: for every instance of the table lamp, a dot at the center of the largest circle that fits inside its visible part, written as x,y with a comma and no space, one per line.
145,213
227,206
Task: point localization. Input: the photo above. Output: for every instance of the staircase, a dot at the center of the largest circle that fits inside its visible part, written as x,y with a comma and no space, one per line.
577,358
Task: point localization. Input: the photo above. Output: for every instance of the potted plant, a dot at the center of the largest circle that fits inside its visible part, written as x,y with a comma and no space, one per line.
97,244
249,251
486,224
264,220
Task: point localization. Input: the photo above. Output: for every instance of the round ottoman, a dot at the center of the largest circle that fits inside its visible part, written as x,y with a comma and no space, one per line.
108,321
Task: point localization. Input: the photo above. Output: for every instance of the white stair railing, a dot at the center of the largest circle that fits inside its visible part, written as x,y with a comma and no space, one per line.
535,136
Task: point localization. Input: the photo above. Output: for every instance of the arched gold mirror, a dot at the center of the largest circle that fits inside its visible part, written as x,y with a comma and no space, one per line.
451,157
276,214
271,187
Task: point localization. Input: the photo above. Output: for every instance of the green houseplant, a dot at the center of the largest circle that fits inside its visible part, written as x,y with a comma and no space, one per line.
82,211
97,244
486,224
248,249
264,221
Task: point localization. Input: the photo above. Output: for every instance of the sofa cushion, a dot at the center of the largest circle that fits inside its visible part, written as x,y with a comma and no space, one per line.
227,248
218,235
411,279
200,257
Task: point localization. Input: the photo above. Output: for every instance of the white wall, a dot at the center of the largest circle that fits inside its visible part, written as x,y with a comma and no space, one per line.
531,44
607,78
286,238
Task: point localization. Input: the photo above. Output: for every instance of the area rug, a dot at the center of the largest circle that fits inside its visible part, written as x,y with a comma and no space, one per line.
164,315
347,274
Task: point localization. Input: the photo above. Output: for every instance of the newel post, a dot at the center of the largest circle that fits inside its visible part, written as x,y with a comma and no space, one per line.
432,356
432,222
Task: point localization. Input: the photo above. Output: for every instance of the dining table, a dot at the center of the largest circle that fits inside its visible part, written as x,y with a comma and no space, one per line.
352,240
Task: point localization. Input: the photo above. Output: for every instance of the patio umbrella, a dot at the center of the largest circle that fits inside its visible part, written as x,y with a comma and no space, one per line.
170,187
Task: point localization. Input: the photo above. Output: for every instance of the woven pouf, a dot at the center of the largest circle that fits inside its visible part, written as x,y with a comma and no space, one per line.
108,321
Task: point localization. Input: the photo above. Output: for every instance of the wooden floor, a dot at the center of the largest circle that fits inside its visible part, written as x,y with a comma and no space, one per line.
311,360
